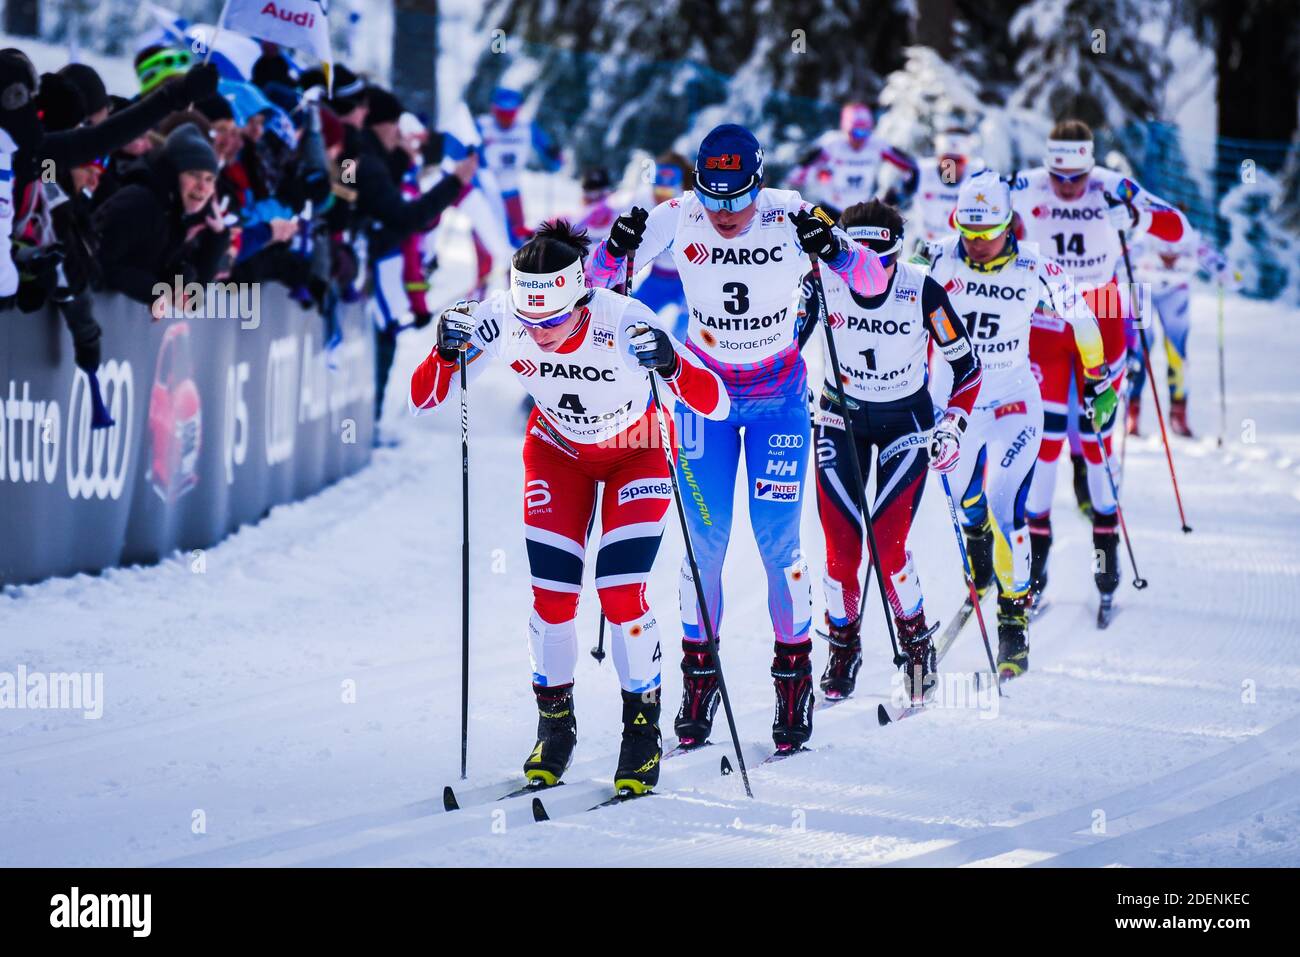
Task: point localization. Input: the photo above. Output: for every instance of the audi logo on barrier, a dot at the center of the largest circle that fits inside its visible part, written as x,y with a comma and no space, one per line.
98,461
786,441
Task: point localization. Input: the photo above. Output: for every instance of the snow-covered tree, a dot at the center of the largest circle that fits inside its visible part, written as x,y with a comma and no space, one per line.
1086,59
1265,253
605,76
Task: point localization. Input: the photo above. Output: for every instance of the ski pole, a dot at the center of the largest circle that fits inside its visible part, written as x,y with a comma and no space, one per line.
860,483
1146,360
710,640
1223,388
969,572
1138,581
464,566
599,651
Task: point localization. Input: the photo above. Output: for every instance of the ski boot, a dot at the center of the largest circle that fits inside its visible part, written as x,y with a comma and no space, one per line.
1105,563
792,677
1178,418
700,695
979,549
557,735
1134,414
642,748
1040,543
844,662
1013,641
914,641
1081,494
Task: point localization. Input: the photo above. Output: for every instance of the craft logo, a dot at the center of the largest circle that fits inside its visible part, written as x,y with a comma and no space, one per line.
524,367
697,253
775,491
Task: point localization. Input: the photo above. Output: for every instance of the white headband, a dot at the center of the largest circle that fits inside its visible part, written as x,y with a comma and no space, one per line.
553,292
1073,155
879,234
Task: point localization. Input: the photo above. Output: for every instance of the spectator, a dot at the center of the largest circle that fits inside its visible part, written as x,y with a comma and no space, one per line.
163,223
387,218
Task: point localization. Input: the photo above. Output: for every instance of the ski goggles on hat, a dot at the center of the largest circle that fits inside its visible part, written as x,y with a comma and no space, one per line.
982,232
1068,177
878,234
732,204
545,300
162,65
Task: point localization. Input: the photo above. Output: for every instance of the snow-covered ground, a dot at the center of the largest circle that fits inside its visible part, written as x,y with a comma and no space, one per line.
298,701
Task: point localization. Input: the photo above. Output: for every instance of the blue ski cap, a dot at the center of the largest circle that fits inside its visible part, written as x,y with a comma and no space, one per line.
728,168
504,98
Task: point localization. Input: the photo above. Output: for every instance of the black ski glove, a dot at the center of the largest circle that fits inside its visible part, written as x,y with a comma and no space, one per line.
199,83
654,351
455,328
625,235
815,233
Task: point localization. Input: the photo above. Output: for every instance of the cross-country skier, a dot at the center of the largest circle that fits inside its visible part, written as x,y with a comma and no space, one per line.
1168,268
508,145
998,286
583,354
939,179
844,165
882,341
742,251
1064,209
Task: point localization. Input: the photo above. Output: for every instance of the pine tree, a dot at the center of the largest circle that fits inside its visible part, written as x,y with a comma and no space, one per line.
1086,59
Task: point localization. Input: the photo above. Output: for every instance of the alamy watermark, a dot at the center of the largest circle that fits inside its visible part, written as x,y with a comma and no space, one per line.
24,690
179,299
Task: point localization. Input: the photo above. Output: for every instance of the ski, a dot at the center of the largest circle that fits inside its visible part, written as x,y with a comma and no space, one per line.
1038,608
679,749
1106,611
452,802
776,756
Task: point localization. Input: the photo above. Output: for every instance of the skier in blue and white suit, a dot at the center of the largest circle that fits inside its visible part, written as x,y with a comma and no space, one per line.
741,251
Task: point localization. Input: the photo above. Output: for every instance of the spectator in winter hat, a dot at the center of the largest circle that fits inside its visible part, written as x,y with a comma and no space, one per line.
59,103
163,224
226,136
91,86
349,97
20,131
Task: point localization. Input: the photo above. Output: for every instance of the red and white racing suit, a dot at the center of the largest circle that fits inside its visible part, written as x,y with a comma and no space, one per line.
593,423
1078,235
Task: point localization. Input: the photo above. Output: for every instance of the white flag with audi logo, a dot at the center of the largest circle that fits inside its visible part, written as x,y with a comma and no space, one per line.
300,24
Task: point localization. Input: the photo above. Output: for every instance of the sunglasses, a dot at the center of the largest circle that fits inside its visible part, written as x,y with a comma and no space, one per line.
1068,177
550,322
989,232
732,204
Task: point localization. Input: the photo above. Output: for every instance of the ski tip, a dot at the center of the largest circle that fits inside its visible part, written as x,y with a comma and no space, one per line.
539,811
449,802
882,715
725,766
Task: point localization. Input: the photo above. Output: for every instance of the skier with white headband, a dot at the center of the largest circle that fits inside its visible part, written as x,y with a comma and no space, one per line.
1000,286
1074,211
882,341
585,356
741,251
846,164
